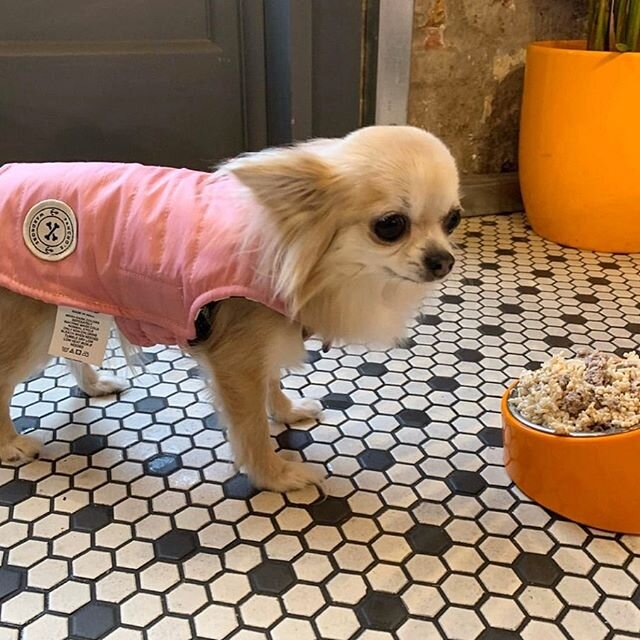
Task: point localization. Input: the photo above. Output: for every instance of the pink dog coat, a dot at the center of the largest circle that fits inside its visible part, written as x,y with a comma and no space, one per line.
148,245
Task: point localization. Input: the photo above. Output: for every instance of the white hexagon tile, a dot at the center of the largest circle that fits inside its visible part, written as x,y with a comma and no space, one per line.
133,525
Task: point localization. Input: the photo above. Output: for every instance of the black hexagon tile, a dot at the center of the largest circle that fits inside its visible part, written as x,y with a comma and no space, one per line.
633,328
135,525
16,491
429,319
491,436
313,356
151,405
176,545
372,369
93,621
294,439
429,539
145,358
337,401
440,383
528,290
162,464
212,421
272,577
468,483
491,330
515,309
406,343
25,424
91,517
499,634
12,581
88,444
412,418
382,611
559,341
195,372
468,355
573,318
537,568
375,459
330,511
238,487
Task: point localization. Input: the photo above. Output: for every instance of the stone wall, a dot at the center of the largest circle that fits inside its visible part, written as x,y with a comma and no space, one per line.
467,71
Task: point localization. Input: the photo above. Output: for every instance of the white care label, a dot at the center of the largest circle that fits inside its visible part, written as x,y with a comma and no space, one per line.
80,335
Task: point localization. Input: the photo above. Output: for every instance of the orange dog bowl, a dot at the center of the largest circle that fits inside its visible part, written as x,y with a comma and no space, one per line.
591,479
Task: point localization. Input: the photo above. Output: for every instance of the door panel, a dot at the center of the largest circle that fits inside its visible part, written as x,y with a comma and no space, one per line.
92,20
128,80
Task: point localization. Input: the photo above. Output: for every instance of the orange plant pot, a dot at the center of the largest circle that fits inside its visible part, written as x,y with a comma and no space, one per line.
591,480
580,146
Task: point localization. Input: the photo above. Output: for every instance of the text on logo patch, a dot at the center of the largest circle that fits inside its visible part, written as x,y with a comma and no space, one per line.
50,230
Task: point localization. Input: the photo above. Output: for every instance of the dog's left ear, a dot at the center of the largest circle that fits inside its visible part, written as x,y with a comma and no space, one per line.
288,181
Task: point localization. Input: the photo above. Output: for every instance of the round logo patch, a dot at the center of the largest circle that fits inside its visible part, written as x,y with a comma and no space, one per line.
50,230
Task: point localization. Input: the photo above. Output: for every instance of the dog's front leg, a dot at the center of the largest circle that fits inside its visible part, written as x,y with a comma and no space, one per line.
242,394
248,345
13,447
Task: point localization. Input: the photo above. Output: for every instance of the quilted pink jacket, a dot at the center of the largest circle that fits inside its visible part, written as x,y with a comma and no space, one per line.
147,245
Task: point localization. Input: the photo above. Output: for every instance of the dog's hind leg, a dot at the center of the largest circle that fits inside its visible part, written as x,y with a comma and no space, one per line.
95,383
284,409
26,326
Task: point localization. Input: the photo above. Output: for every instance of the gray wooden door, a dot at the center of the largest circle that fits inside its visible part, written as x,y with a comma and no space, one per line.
153,81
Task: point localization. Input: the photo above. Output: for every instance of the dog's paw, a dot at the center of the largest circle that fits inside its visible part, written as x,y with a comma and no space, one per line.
20,449
105,384
300,411
286,476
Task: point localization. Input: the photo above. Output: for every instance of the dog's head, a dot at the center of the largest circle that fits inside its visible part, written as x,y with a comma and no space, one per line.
354,228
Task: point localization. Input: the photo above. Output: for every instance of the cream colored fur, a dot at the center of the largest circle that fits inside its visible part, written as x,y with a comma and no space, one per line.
317,203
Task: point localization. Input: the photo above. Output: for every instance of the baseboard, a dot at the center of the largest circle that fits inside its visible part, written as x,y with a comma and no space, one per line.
492,193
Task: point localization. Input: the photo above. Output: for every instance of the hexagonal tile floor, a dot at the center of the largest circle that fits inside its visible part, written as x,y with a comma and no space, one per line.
134,526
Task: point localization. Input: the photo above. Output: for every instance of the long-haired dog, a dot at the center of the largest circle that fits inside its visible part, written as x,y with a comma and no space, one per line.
350,231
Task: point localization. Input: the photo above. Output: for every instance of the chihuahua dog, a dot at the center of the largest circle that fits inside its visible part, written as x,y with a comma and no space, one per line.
347,233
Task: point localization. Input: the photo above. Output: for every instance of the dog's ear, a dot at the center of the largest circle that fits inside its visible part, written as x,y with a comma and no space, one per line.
288,181
299,192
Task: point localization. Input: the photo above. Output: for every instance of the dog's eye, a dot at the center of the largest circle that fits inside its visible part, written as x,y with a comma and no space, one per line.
391,227
452,220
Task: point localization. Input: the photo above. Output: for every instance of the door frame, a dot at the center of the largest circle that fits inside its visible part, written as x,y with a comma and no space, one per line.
393,73
319,74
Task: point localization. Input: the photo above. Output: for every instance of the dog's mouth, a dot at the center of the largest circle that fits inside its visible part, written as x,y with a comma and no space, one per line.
399,276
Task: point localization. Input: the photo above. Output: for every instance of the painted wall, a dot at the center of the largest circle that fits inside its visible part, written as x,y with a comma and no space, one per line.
467,71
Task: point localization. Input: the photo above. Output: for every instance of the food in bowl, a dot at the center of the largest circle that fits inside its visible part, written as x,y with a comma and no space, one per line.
592,393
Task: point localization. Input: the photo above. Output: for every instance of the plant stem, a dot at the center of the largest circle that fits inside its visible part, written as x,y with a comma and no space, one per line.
591,23
620,12
601,26
633,26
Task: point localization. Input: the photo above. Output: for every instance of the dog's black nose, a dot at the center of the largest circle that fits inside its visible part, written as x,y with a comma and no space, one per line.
439,264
